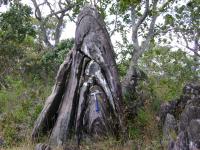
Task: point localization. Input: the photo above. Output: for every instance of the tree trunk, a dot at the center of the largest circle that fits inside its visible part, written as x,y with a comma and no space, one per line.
86,100
129,82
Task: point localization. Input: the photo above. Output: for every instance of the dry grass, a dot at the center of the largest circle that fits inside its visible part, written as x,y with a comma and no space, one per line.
23,147
103,145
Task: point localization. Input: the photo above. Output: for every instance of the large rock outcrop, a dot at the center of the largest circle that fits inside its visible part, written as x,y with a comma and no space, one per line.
86,100
186,110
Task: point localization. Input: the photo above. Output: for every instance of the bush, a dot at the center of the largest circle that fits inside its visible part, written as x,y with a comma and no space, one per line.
19,108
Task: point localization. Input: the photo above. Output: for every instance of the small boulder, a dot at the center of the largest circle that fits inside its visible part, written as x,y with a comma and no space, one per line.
182,142
167,108
42,146
187,111
194,134
169,128
190,112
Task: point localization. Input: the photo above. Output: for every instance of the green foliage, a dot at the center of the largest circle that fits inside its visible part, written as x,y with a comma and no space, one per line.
124,4
20,105
52,59
29,84
143,129
123,56
184,23
122,68
58,55
188,15
143,117
15,24
134,132
169,19
168,71
16,36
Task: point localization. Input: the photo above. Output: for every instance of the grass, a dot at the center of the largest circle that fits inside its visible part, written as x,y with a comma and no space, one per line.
19,108
24,146
22,102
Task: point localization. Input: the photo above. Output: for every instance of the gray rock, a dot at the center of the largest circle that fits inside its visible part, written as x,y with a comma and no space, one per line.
182,142
171,145
194,102
42,146
194,134
190,112
187,110
167,108
169,128
192,88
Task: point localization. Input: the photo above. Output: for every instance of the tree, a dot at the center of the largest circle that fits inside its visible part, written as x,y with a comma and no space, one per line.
4,2
184,23
86,99
51,24
15,30
168,71
143,24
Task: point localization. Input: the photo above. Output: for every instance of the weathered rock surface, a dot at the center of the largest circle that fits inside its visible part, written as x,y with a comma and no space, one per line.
169,127
187,113
41,146
167,108
194,134
86,101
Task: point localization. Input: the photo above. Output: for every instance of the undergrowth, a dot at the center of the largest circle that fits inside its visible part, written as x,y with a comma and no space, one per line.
20,105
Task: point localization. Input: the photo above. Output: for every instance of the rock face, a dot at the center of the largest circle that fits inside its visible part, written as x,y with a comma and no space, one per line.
187,113
169,127
42,147
86,100
194,134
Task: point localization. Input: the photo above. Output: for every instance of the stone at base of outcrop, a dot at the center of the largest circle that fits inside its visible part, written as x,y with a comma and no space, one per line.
169,128
194,134
41,146
187,111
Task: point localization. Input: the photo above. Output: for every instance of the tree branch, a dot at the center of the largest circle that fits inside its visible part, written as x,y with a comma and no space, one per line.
60,11
38,14
71,18
135,25
115,27
134,33
43,20
58,28
145,14
151,32
52,11
195,51
186,41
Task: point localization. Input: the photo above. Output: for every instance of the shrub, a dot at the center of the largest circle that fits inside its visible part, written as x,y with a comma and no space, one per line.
19,108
